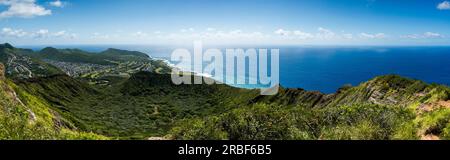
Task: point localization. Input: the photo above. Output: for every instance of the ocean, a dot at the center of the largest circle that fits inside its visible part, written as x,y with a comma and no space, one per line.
328,68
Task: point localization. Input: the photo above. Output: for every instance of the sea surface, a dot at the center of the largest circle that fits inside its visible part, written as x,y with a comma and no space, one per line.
327,68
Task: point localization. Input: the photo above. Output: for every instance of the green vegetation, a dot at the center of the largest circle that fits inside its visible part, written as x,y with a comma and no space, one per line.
18,65
145,105
149,105
383,108
27,117
126,95
267,122
108,57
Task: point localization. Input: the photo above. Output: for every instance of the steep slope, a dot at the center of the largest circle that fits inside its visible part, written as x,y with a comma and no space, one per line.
26,116
383,90
387,107
147,104
112,96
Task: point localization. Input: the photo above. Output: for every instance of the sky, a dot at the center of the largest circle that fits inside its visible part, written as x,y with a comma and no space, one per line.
262,22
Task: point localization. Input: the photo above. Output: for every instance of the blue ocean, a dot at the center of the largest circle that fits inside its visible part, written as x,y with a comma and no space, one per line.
327,68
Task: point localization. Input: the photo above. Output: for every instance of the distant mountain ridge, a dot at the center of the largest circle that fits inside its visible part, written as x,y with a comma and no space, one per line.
107,57
19,65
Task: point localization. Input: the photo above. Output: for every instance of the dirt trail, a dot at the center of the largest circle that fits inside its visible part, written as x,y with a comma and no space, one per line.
433,106
445,104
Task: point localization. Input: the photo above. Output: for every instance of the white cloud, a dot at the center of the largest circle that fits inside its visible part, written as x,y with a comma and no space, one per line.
302,35
60,33
222,35
42,33
432,35
187,30
97,35
322,33
72,35
365,35
347,36
58,3
140,34
325,33
235,32
373,36
282,32
412,36
217,36
210,29
444,5
23,9
8,32
426,35
65,34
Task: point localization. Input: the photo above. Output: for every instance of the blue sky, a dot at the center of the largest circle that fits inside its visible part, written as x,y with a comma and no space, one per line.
290,22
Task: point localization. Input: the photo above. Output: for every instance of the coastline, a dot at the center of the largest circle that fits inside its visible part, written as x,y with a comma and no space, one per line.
243,86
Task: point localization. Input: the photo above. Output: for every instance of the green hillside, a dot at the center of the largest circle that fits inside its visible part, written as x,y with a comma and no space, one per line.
108,57
387,107
24,116
149,105
19,65
145,104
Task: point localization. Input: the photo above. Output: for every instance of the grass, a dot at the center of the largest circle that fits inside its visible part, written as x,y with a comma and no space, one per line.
24,116
262,121
149,105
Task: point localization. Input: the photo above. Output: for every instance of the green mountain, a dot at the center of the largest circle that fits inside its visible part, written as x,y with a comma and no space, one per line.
19,65
123,55
24,116
147,105
387,107
100,68
108,57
